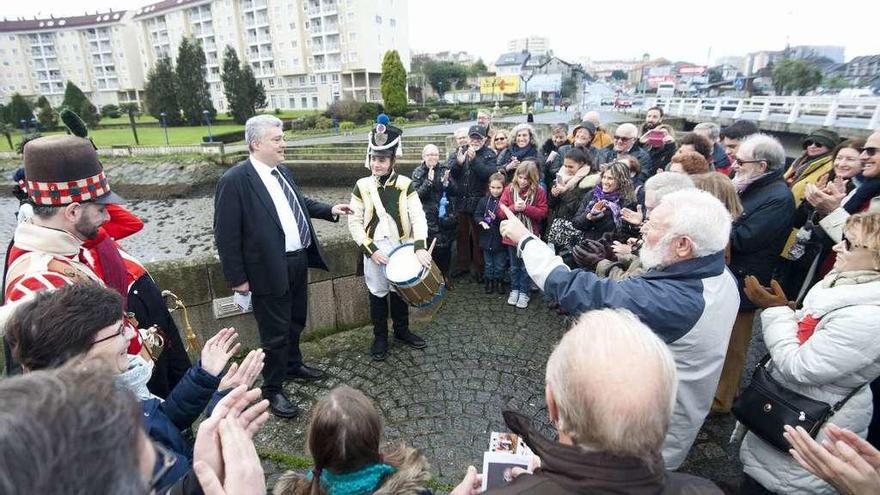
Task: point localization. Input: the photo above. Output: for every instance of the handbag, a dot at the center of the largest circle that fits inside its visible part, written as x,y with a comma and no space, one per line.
563,234
766,406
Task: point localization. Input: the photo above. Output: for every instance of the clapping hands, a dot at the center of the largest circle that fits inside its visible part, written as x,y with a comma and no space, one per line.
218,349
244,374
844,460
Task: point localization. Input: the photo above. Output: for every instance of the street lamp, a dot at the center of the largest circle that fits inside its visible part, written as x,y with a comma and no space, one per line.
526,75
163,116
207,116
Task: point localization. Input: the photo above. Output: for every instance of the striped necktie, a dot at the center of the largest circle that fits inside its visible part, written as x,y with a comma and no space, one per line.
301,221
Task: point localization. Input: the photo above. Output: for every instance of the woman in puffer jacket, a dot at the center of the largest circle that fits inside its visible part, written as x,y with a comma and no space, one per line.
823,351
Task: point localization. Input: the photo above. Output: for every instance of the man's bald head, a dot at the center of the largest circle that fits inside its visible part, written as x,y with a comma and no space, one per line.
611,385
593,116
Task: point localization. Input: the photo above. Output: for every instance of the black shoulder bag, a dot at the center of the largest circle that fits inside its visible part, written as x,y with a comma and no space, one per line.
766,406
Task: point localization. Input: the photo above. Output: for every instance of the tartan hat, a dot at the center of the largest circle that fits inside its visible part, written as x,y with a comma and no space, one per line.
60,170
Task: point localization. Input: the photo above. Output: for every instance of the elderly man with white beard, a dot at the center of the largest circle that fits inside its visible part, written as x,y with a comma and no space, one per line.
687,297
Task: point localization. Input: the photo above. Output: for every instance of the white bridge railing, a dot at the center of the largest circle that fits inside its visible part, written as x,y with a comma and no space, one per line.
857,113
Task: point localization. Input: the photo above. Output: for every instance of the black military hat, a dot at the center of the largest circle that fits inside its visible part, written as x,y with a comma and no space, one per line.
60,170
385,138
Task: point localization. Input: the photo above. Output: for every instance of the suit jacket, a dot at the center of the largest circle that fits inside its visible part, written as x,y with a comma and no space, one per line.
248,232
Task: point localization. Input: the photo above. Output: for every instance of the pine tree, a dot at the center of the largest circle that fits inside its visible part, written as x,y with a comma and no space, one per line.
19,109
79,103
160,93
243,93
255,93
193,92
393,84
46,115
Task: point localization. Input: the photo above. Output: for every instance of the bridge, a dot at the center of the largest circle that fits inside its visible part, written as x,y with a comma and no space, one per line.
851,117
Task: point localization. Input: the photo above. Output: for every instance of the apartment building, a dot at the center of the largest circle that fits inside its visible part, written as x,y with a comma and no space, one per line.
98,52
307,53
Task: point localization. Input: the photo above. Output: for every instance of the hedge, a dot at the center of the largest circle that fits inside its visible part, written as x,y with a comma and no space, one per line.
226,137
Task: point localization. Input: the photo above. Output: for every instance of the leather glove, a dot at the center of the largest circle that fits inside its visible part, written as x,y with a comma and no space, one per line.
765,297
588,254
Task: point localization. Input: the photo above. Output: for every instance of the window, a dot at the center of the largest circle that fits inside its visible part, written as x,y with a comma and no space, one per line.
334,77
378,19
323,78
302,80
392,22
312,80
314,102
304,101
352,36
292,26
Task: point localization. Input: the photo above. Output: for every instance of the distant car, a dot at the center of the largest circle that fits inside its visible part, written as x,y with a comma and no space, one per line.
606,101
622,102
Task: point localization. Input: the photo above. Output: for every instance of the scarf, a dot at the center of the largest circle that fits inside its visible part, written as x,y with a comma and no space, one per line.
867,190
523,153
806,326
529,199
361,482
612,202
800,167
137,375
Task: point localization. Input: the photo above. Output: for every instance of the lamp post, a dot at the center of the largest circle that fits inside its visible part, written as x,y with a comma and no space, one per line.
164,116
526,75
207,116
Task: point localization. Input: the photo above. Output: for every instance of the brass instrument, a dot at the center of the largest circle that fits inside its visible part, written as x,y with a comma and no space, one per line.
192,341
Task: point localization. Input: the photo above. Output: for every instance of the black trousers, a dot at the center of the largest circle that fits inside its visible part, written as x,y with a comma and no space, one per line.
280,320
146,302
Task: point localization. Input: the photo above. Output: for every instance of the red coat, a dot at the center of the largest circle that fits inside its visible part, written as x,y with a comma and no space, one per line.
537,211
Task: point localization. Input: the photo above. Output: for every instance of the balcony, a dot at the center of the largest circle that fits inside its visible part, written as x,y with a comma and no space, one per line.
329,8
331,29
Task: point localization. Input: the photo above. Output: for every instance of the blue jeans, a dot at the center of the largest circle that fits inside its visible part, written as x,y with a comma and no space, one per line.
519,277
493,263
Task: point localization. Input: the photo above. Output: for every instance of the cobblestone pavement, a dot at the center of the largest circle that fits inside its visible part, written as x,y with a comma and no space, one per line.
483,357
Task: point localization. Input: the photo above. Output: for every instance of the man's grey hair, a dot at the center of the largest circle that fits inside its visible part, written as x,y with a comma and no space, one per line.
593,116
256,128
71,430
658,186
764,147
628,128
461,131
429,147
699,216
614,383
713,129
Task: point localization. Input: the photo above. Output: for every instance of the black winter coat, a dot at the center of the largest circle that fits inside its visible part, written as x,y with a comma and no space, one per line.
608,155
759,234
430,193
473,178
489,238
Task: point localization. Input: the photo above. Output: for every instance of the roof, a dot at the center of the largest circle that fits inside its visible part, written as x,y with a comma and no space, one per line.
55,23
865,59
164,5
512,58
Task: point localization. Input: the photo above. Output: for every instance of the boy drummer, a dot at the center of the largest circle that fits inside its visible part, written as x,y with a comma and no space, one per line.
386,213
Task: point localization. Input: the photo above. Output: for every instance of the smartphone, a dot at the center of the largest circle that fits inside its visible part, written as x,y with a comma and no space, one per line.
655,138
560,181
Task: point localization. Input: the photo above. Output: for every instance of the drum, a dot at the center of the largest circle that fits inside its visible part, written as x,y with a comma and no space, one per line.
419,286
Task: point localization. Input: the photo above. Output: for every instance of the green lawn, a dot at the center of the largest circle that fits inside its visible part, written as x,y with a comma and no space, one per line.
148,135
221,117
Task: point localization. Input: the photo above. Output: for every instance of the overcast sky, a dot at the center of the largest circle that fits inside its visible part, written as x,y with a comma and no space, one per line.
605,29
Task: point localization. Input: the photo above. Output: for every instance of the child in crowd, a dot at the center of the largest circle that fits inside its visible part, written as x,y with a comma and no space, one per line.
486,216
528,201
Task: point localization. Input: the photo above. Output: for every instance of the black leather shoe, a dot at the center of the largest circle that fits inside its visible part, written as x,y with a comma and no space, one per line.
490,286
306,373
281,406
379,349
410,339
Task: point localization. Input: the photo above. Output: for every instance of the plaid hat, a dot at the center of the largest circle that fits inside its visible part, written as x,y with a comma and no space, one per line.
60,170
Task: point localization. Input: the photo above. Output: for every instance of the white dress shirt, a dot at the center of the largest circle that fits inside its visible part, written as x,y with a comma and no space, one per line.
292,241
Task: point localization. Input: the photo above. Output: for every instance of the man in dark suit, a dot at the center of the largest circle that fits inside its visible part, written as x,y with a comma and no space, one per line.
266,242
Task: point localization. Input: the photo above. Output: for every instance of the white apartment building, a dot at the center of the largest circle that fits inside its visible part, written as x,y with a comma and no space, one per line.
97,52
307,53
536,45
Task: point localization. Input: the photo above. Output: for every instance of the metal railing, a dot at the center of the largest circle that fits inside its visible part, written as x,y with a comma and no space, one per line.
856,113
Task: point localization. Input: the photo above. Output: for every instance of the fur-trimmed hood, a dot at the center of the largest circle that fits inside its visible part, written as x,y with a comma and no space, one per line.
410,479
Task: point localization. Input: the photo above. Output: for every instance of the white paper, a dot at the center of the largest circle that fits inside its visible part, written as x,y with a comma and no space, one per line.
497,467
242,300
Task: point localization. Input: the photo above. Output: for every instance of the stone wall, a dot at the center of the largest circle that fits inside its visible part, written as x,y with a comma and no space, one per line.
337,299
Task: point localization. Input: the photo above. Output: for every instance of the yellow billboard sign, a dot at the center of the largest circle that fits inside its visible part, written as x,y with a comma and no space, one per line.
499,85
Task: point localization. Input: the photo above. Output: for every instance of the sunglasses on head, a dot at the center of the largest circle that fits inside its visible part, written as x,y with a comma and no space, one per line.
870,150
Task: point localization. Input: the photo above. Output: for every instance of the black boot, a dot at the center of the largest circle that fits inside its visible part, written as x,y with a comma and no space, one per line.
379,317
500,288
490,286
400,318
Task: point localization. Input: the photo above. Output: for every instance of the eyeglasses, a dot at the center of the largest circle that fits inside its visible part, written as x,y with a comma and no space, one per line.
870,151
123,330
743,162
501,138
168,460
622,138
809,143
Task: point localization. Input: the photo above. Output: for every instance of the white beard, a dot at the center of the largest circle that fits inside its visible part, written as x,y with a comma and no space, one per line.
653,257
